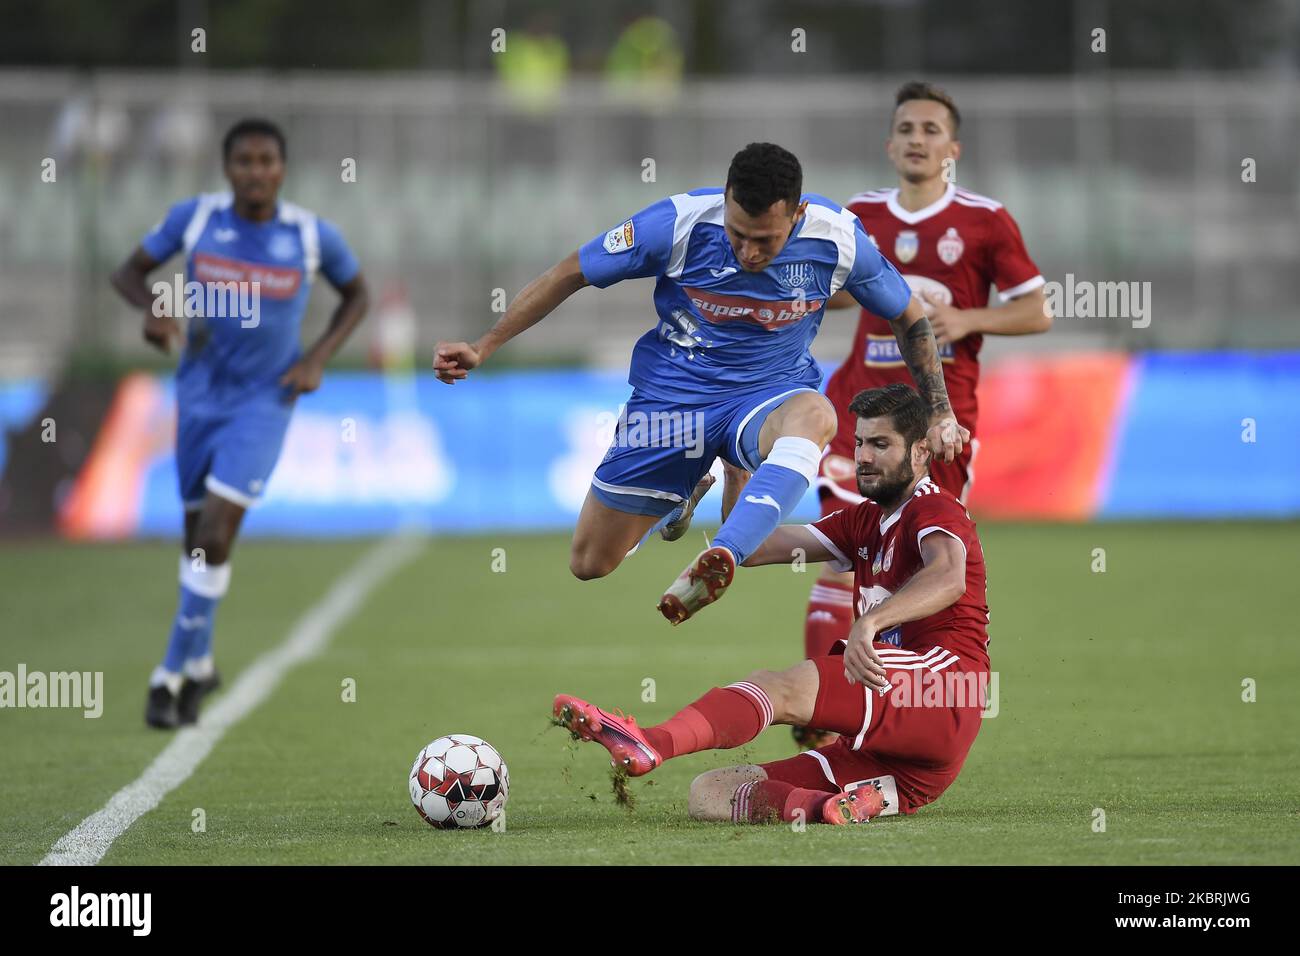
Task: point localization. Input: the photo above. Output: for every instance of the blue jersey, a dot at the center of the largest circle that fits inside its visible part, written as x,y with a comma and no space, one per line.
722,329
229,357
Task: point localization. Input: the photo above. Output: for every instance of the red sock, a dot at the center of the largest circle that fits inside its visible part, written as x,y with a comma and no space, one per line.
830,617
765,801
725,717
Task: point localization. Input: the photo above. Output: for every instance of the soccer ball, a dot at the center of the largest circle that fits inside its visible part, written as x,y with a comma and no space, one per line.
459,781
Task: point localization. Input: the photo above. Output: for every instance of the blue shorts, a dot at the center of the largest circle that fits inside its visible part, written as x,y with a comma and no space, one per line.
661,449
231,454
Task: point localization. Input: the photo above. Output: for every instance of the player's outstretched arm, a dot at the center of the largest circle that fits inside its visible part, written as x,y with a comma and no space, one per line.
936,586
788,542
131,280
921,354
305,374
453,361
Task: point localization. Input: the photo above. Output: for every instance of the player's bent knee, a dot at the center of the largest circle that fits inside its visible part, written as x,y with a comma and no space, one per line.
586,566
774,685
712,792
708,799
822,419
789,691
811,415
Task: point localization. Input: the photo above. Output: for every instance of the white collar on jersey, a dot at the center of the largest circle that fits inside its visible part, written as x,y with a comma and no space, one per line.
925,486
911,218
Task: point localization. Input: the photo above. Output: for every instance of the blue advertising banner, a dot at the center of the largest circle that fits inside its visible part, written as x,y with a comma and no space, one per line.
366,453
1190,436
1208,435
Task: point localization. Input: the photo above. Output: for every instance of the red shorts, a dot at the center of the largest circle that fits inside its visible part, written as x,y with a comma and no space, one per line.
838,486
911,741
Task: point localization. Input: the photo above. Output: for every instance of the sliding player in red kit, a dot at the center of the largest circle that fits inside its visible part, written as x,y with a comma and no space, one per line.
950,245
905,691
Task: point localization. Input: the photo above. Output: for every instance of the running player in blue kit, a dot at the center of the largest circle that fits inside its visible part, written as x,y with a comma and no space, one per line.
743,275
253,258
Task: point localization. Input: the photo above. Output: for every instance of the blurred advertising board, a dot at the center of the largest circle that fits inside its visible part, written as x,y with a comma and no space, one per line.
1104,435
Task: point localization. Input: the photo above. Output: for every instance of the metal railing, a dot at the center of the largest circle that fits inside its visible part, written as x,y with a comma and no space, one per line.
462,190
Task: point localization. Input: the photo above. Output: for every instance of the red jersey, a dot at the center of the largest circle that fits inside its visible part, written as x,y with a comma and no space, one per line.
884,552
956,249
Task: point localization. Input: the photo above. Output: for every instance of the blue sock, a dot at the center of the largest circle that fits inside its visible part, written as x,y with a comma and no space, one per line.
771,494
202,589
191,630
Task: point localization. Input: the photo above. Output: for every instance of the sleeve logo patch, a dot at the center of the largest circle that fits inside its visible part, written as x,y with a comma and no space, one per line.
620,238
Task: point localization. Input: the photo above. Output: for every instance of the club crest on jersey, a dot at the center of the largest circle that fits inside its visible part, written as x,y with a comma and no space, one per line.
282,247
889,558
906,245
877,564
951,246
797,274
620,238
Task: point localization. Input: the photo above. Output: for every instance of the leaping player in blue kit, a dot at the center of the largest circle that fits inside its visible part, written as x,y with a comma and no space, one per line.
249,263
743,275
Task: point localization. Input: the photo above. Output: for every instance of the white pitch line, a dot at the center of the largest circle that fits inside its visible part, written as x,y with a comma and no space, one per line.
86,844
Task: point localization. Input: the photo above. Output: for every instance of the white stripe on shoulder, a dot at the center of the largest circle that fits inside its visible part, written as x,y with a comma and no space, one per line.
968,198
978,197
971,204
691,211
926,486
920,536
871,195
840,227
207,204
308,231
1029,285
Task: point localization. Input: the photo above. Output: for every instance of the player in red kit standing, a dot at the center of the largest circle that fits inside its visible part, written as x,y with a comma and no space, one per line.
905,693
950,245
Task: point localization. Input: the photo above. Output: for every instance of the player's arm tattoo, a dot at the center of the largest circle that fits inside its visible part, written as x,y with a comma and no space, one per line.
921,355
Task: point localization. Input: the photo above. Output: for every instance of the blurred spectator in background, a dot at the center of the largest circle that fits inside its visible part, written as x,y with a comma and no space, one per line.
646,60
534,66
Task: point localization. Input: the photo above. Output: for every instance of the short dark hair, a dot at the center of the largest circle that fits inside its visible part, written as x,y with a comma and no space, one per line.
921,90
762,174
251,127
898,402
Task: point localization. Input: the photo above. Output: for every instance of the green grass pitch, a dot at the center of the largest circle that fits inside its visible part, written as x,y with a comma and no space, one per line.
1120,692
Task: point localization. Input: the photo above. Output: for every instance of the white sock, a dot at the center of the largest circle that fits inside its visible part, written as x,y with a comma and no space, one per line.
199,668
161,676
